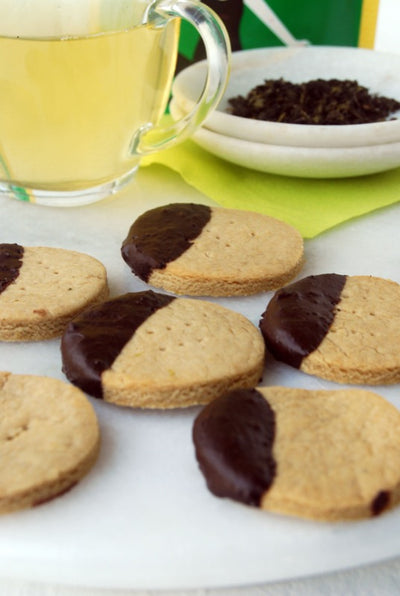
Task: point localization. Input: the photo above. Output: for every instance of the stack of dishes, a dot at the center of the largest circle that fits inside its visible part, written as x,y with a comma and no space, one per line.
310,151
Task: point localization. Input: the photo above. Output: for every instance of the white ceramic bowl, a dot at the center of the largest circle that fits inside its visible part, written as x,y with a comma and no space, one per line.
378,71
304,162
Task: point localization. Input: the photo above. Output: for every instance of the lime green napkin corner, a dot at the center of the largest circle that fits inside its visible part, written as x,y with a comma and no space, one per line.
311,205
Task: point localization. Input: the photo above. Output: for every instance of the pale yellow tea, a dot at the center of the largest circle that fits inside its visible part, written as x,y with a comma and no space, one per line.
69,107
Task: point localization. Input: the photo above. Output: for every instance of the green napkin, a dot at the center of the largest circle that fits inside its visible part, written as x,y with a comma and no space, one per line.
311,205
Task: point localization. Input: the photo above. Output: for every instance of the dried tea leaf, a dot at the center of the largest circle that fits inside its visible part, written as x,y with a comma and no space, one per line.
318,101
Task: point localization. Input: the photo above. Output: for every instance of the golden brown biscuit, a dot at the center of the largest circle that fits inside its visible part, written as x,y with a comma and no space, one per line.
341,328
211,251
151,350
324,455
42,289
49,439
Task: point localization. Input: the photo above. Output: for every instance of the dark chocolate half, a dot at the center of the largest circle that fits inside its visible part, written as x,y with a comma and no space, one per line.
299,316
94,339
161,235
380,502
233,438
11,256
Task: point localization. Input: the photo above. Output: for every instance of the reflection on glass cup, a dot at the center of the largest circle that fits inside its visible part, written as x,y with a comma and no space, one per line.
83,85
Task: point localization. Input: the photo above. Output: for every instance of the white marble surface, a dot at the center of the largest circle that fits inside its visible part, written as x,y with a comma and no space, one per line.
374,580
44,551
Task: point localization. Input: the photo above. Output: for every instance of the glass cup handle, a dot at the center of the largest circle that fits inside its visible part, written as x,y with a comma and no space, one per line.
216,41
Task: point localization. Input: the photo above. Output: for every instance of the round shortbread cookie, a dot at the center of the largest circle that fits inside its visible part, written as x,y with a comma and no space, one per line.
151,350
323,455
341,328
211,251
49,439
42,289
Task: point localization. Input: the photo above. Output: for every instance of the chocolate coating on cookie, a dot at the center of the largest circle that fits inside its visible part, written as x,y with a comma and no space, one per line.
93,340
299,316
381,502
11,256
233,438
161,235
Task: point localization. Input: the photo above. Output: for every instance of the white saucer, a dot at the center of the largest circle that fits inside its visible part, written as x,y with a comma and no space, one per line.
304,162
378,71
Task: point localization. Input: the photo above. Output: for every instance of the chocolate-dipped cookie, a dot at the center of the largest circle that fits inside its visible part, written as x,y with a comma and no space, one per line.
151,350
338,327
211,251
42,289
323,455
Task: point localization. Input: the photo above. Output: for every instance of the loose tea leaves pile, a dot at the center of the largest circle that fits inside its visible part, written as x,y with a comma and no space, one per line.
318,101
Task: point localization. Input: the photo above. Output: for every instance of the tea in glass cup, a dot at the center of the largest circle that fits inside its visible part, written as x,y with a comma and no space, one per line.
83,84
